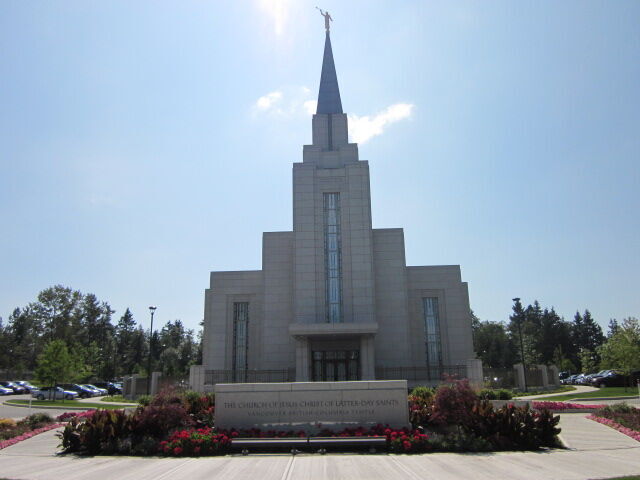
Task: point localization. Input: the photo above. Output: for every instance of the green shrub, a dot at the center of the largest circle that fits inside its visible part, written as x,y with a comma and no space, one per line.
492,394
505,394
424,393
144,400
487,394
36,420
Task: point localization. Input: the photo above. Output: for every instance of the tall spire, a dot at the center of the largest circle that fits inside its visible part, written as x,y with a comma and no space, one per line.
329,94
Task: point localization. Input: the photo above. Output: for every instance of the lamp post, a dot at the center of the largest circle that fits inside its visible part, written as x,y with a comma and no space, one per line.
524,368
152,310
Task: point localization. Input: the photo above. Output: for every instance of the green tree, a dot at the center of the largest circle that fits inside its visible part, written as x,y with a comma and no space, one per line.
588,360
57,365
587,336
493,345
622,350
613,327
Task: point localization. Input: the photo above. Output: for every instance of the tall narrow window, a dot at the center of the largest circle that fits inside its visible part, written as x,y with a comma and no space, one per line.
432,332
240,339
333,257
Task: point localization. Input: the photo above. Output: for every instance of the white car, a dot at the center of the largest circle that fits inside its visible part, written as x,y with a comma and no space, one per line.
54,393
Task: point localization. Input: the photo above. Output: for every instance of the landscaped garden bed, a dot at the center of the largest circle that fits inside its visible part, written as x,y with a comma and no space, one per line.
565,407
12,432
451,418
621,417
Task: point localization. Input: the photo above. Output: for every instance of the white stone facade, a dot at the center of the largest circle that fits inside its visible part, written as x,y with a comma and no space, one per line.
382,324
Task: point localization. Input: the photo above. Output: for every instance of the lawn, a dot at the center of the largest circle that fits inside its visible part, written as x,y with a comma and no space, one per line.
118,399
606,392
64,404
563,388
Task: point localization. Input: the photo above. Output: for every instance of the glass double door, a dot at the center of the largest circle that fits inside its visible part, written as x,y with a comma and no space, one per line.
336,365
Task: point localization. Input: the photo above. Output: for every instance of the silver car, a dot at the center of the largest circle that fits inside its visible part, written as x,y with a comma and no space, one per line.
99,391
54,393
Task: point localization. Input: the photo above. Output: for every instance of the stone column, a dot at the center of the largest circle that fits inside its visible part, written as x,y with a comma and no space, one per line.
196,377
545,377
302,359
519,368
555,375
474,372
126,386
136,380
367,358
155,380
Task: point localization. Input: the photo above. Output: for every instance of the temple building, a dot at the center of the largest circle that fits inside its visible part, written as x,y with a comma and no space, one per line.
334,299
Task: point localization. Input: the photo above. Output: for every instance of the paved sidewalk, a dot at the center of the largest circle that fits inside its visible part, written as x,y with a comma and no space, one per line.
99,400
578,389
596,452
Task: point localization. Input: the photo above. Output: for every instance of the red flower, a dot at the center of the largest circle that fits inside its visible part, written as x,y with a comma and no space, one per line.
407,445
177,451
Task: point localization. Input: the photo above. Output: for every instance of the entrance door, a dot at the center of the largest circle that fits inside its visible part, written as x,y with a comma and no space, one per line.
336,365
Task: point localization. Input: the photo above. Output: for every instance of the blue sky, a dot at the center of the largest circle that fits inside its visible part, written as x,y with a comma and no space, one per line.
144,144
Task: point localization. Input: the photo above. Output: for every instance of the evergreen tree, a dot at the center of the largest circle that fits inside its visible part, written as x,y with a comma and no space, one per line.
587,336
613,327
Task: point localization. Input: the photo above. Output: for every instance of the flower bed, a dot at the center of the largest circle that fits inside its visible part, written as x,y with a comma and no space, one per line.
208,441
564,406
450,418
29,434
12,432
622,417
610,423
67,416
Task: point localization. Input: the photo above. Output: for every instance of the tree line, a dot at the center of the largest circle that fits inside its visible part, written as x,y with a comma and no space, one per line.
577,345
97,347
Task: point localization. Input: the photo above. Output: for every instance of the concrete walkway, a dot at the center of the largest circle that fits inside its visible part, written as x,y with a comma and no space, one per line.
596,452
99,400
578,389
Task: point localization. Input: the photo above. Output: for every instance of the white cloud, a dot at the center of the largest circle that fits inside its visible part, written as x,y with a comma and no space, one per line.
278,12
310,106
363,129
290,102
269,100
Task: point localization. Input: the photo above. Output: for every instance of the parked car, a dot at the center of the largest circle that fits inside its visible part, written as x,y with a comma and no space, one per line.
600,374
112,388
616,379
54,393
98,391
81,390
6,391
27,385
18,389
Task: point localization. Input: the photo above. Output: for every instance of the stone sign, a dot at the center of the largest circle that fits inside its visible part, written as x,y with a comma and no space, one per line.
311,405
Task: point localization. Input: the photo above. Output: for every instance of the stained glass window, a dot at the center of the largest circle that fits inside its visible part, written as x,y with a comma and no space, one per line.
432,332
333,257
240,339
